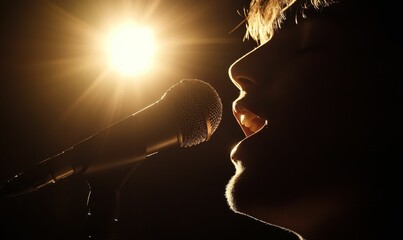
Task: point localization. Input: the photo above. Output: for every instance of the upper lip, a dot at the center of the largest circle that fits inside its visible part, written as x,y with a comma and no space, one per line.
249,121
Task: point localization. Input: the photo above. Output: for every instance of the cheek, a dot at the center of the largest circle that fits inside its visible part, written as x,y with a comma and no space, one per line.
310,109
309,93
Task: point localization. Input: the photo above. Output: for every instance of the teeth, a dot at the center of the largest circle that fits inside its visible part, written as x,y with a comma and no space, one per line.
251,121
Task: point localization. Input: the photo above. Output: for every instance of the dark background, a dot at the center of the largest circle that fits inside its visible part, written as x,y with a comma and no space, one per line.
55,92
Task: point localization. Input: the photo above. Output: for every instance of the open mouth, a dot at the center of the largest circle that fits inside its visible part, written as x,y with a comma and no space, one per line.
249,122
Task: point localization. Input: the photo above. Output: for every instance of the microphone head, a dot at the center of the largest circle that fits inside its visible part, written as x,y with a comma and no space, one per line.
198,109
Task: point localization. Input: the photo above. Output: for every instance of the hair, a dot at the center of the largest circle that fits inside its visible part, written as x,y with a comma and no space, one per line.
264,17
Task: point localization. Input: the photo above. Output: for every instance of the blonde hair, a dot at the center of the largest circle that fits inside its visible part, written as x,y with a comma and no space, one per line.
265,16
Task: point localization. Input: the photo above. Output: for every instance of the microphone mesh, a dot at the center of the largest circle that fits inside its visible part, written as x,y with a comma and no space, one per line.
198,109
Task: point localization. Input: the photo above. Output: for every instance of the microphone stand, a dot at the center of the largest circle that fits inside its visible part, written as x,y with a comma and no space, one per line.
106,176
104,204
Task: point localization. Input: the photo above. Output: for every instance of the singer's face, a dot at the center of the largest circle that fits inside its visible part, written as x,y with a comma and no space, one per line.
295,165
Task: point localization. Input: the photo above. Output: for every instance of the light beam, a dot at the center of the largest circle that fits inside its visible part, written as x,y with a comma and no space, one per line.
131,49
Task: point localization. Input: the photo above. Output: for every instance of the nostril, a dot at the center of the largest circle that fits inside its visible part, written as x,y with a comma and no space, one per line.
244,83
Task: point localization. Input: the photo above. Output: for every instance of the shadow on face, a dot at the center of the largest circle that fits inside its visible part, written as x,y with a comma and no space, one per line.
320,85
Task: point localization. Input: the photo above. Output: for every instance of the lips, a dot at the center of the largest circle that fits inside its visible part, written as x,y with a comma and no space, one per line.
249,121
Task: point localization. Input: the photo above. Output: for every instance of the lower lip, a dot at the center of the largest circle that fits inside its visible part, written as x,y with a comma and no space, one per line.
249,145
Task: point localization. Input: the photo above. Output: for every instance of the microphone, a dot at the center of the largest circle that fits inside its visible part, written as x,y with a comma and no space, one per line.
187,114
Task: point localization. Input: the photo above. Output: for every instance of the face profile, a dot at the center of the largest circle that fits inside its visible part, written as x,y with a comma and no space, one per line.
311,122
314,105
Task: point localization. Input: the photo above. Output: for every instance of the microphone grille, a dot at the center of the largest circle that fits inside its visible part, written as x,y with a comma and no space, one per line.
198,109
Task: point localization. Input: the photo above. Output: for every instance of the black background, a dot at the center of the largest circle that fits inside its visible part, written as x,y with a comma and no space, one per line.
54,92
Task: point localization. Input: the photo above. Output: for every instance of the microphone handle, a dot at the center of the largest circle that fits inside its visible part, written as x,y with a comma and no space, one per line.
125,142
112,147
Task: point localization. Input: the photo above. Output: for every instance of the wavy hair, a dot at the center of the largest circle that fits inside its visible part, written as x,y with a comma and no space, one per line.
264,17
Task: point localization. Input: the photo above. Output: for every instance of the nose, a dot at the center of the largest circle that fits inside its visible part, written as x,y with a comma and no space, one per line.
242,71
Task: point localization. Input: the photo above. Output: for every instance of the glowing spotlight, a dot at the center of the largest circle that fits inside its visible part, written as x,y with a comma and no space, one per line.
131,49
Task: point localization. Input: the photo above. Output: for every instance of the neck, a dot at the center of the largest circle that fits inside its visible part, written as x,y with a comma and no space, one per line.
334,216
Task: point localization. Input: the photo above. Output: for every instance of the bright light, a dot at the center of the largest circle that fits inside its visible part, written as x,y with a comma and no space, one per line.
131,49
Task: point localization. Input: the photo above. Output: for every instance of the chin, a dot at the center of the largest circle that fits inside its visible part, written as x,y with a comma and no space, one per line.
230,192
248,194
240,193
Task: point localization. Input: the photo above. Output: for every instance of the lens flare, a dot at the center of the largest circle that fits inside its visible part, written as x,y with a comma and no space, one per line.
131,49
